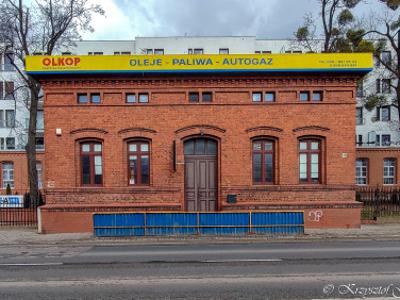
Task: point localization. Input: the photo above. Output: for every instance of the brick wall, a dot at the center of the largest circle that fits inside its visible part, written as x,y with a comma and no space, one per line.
375,157
18,158
232,119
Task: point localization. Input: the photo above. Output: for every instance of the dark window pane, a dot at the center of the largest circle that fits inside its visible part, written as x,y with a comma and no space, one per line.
145,169
130,98
317,96
200,146
85,169
95,98
207,97
257,167
268,168
82,98
143,98
257,97
133,169
189,147
211,147
193,97
270,96
304,96
98,179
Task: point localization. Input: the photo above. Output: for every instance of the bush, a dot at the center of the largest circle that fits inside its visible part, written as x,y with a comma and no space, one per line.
8,189
29,203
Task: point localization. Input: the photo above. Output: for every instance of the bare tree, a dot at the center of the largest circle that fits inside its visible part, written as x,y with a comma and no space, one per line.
39,26
335,31
385,32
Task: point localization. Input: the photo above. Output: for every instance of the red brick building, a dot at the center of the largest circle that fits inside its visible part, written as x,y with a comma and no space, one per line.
200,141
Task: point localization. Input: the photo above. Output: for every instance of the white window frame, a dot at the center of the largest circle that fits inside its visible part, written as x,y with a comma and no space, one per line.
389,171
7,174
362,171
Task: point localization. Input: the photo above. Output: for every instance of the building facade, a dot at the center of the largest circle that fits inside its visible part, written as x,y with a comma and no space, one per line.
377,129
199,140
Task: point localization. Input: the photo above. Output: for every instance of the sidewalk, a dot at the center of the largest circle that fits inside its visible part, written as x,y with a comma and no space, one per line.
28,236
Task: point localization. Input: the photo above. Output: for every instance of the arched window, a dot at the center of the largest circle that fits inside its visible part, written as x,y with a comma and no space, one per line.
91,163
310,160
263,161
138,162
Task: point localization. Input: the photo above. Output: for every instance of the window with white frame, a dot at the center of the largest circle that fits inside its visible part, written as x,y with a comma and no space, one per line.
361,171
389,171
8,174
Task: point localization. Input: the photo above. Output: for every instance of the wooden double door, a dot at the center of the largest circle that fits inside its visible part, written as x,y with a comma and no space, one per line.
201,175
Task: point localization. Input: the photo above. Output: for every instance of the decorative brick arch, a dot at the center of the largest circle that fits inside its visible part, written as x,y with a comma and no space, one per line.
137,133
264,131
88,130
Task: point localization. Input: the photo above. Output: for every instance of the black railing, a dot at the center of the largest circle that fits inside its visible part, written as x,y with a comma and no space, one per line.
379,202
18,210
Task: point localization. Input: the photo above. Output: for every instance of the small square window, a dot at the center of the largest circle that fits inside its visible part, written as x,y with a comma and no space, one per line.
194,97
82,98
257,97
132,147
85,148
159,51
95,98
317,96
304,96
270,97
207,97
144,147
144,98
149,51
303,146
223,50
130,98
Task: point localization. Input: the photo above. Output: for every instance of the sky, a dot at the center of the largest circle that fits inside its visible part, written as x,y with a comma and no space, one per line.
127,19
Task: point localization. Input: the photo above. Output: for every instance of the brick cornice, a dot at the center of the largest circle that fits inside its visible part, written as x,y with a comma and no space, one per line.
184,80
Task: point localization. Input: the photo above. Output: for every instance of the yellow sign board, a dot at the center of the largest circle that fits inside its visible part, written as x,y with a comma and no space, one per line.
327,62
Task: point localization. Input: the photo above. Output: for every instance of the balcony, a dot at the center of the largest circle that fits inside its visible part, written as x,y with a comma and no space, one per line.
391,144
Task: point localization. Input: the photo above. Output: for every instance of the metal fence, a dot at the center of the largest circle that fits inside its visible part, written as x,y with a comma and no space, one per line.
197,223
16,210
379,202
